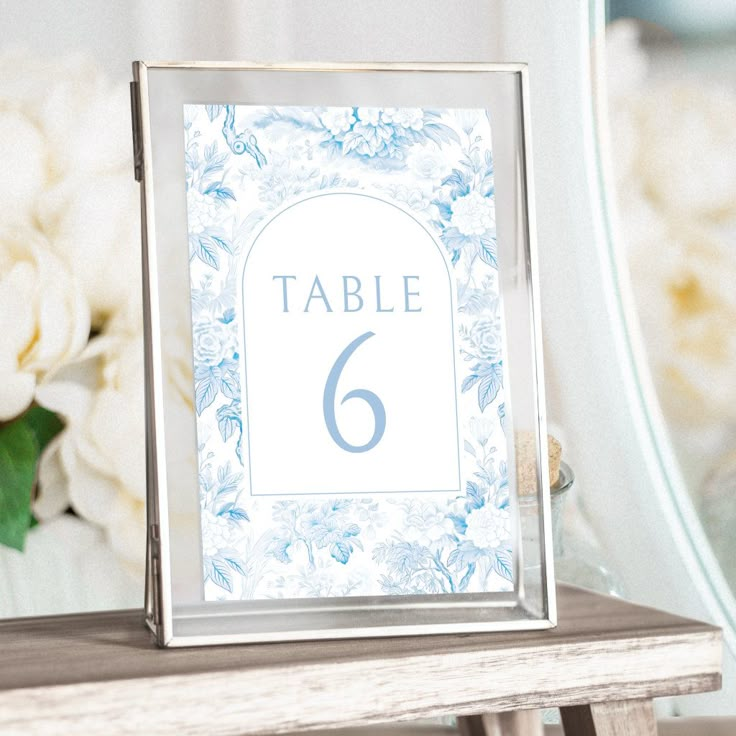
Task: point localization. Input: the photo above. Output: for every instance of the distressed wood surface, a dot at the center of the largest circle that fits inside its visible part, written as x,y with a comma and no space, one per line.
101,673
507,723
625,718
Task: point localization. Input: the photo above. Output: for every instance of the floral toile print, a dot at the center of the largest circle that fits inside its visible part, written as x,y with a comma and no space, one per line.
245,167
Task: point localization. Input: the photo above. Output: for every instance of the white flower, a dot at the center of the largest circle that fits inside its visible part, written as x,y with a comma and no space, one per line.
425,164
473,214
405,117
369,115
414,198
687,153
65,136
44,320
97,464
212,341
337,119
485,334
82,117
488,527
96,229
369,140
201,211
425,523
216,533
23,153
675,165
687,307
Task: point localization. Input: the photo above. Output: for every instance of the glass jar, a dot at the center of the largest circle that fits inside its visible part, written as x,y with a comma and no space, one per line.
578,561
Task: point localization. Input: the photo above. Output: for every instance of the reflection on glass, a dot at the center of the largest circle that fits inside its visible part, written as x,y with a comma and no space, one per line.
672,106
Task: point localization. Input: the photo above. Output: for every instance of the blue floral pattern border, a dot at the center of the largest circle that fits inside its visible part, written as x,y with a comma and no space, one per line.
244,162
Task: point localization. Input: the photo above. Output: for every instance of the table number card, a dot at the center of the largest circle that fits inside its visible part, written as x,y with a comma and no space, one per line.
348,351
342,344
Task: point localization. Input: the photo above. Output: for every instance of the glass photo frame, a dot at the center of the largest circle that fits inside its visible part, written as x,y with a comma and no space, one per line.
343,352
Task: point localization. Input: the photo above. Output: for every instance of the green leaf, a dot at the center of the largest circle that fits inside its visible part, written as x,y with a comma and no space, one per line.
19,452
44,424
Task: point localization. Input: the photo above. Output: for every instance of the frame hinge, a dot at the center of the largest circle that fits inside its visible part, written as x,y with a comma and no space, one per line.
135,115
153,581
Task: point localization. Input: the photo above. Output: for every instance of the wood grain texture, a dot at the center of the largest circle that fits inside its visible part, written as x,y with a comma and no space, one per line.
625,718
509,723
102,674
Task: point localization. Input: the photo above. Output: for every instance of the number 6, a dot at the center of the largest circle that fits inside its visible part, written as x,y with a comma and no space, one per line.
328,401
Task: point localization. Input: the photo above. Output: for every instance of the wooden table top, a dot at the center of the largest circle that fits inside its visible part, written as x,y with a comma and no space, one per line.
101,673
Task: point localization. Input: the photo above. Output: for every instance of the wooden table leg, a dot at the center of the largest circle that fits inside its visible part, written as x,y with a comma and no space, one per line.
513,723
623,718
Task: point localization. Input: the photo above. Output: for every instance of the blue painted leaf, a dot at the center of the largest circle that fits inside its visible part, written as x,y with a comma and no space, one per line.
503,564
237,514
465,554
489,385
220,576
351,141
230,380
214,165
439,133
205,249
351,531
201,370
341,551
469,448
459,183
469,382
456,177
235,565
212,241
228,316
281,550
204,393
487,250
220,192
475,495
228,420
453,238
213,111
487,187
226,508
458,522
224,193
444,208
332,147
